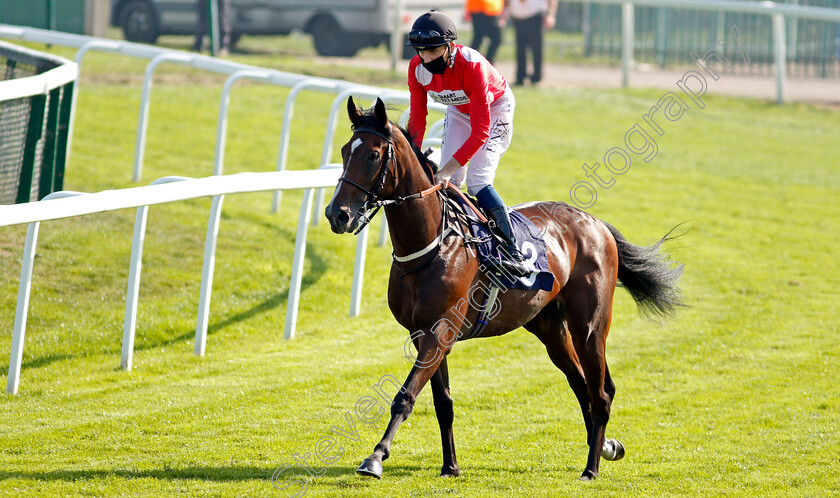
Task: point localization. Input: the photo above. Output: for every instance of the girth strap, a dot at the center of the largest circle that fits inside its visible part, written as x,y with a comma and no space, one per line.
482,320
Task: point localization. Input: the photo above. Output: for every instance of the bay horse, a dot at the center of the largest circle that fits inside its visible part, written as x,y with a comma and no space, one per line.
434,272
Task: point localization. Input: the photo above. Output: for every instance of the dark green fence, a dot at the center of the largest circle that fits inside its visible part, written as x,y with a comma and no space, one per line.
59,15
34,122
666,37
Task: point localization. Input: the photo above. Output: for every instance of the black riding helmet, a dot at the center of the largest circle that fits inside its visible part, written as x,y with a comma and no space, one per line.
432,29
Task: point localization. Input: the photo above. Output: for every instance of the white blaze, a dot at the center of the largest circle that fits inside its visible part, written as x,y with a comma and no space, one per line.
356,143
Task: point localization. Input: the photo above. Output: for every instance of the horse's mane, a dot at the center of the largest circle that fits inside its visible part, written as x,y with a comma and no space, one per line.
370,121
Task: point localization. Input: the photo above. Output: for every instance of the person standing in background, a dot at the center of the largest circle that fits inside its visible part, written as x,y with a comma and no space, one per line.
203,26
486,18
530,20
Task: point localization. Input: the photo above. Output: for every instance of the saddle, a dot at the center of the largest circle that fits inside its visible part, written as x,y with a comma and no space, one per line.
488,245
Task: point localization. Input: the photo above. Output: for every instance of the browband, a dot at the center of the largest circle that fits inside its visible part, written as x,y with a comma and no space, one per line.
375,132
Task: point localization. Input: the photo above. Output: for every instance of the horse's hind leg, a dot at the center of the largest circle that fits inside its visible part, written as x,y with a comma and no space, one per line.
445,415
550,328
612,448
589,311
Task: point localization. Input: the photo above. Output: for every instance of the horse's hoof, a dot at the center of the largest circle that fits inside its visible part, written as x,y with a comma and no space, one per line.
612,450
370,467
450,472
588,476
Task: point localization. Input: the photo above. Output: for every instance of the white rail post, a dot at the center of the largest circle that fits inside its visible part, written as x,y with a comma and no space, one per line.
383,231
203,316
297,263
358,272
100,44
132,293
24,287
143,119
285,131
627,28
288,112
780,56
224,104
326,152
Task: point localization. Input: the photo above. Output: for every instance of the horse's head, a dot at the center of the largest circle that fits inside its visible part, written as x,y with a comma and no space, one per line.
369,159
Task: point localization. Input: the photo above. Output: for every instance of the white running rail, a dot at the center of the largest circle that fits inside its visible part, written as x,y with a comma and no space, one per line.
170,189
68,204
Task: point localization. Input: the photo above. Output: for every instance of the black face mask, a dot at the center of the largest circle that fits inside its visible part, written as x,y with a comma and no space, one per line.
437,66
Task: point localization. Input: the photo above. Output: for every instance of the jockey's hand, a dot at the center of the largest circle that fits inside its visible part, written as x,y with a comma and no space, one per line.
445,173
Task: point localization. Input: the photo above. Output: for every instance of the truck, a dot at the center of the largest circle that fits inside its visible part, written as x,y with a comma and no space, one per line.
338,28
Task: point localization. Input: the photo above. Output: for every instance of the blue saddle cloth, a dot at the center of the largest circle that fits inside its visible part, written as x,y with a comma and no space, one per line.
530,244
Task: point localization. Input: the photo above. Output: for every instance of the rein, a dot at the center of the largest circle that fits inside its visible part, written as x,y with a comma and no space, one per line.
435,243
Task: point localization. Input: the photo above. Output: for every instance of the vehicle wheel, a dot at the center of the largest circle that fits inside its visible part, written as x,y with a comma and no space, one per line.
330,39
139,23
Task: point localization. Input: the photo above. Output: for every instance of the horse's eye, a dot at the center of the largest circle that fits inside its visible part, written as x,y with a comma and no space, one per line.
373,156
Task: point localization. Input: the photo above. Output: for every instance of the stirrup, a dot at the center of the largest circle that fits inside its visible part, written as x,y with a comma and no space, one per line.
516,268
511,268
513,264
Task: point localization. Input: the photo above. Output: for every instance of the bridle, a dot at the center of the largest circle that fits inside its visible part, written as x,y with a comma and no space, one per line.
373,203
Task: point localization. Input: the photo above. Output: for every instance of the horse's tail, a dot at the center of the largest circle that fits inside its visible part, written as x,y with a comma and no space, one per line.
648,275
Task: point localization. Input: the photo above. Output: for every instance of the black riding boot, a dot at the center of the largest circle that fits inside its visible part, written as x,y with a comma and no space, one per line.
514,263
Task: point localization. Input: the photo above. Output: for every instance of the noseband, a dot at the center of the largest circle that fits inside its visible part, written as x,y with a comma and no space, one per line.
372,202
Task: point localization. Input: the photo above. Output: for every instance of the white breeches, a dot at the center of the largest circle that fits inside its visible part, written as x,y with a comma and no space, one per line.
481,169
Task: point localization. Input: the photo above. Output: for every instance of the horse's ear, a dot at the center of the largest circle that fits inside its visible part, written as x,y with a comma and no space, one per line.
354,112
379,113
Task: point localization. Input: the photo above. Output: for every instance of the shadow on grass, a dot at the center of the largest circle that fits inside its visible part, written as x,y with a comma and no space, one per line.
213,474
318,267
39,362
216,474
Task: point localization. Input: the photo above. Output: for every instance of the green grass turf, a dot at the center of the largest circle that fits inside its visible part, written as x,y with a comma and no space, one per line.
736,396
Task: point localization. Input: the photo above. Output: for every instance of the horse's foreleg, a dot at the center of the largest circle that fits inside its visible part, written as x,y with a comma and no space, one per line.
445,415
430,353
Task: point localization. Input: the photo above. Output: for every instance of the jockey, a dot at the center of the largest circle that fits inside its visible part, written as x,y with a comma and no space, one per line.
478,124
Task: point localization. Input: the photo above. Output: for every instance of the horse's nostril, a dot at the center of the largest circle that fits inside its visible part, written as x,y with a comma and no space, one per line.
343,218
